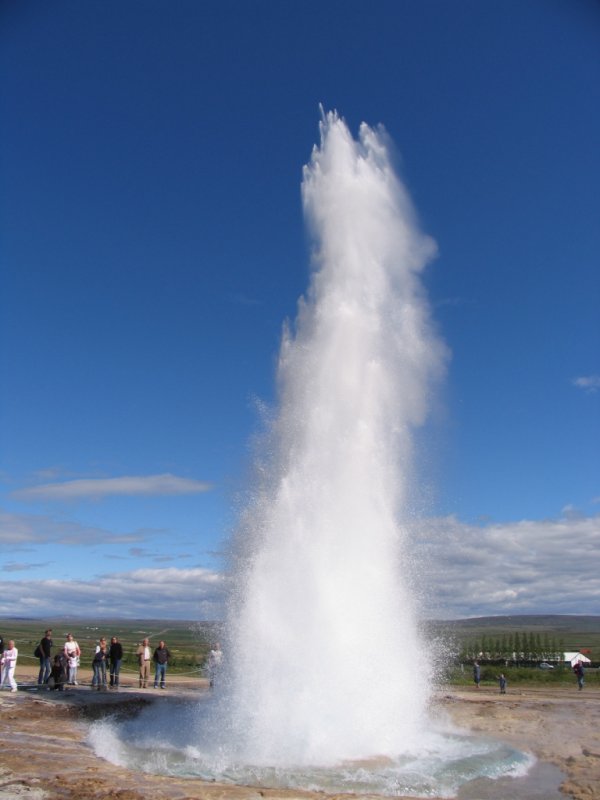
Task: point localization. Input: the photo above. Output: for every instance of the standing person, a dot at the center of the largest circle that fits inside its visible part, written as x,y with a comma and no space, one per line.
73,653
477,674
502,682
580,673
115,655
99,665
9,662
215,659
45,655
161,659
144,655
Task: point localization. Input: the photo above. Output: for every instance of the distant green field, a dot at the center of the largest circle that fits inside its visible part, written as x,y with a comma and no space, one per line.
188,642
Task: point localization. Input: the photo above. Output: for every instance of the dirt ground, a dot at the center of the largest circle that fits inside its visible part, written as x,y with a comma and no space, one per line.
560,726
44,755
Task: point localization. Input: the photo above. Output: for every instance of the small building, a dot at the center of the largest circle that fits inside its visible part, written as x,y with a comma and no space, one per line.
573,657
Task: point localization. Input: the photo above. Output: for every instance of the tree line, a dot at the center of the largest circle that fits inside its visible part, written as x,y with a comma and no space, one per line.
516,648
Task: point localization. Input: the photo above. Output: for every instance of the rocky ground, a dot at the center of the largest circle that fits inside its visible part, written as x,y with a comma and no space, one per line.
44,755
560,726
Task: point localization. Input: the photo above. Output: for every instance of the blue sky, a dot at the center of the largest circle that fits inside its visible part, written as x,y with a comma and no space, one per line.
152,245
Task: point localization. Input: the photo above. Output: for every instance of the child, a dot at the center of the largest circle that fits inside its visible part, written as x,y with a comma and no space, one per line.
73,664
502,682
59,671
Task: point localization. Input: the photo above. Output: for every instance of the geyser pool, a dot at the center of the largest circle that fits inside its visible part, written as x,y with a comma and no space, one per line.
326,680
175,738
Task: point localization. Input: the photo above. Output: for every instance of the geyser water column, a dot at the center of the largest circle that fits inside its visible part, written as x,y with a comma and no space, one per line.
326,682
324,659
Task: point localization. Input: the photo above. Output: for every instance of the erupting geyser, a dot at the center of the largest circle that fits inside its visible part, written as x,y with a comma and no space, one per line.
321,687
323,633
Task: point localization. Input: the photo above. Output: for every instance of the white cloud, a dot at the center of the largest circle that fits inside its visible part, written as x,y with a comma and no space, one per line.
548,566
589,383
19,566
19,530
171,593
96,488
466,570
143,552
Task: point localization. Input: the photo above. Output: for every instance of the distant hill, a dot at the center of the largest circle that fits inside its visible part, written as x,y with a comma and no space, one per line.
535,622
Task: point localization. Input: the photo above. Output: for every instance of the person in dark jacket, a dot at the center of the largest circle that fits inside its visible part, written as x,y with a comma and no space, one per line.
579,671
161,659
60,670
476,674
45,651
99,665
115,656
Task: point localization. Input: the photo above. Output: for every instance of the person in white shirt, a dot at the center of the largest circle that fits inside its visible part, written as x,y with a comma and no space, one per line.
145,659
9,662
215,660
73,653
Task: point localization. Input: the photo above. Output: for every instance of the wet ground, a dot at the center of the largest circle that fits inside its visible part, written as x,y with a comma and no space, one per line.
44,755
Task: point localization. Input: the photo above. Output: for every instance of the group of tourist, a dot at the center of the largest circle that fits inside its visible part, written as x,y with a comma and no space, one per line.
60,670
63,667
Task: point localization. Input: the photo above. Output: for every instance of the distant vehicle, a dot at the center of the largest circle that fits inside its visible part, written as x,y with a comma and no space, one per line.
546,665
